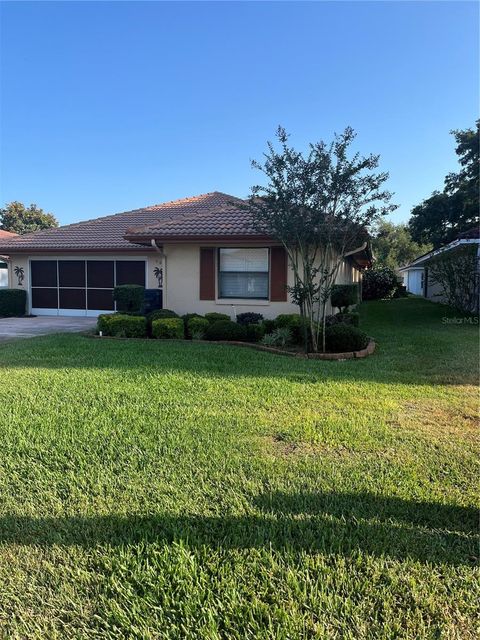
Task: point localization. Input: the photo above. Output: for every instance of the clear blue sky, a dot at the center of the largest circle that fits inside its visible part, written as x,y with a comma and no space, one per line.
111,106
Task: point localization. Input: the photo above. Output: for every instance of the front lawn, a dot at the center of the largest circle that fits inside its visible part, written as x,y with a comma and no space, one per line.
173,490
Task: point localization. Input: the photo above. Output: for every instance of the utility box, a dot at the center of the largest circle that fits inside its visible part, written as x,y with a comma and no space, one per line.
152,300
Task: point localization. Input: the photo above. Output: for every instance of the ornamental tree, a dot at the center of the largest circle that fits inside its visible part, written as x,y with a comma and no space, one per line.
319,205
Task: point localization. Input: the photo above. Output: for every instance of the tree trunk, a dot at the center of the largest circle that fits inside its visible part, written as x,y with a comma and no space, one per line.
324,322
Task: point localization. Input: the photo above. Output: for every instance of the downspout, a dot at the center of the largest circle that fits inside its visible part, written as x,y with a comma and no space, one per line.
154,244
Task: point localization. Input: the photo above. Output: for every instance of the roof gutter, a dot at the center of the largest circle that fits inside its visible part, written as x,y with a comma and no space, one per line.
419,262
362,247
361,256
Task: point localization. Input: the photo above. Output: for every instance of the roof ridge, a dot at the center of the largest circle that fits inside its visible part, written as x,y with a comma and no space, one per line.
221,208
214,209
120,213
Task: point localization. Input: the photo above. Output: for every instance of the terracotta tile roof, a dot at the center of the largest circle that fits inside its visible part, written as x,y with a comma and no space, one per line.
6,234
107,233
226,219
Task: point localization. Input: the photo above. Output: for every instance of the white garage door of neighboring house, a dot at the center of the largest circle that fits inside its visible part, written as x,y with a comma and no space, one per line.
415,281
80,287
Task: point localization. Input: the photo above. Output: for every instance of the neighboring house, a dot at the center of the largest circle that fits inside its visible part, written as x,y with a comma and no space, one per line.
416,275
202,252
4,235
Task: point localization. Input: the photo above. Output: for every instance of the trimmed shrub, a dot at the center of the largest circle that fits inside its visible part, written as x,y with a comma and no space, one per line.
379,282
268,325
254,332
129,297
197,327
340,338
249,318
12,302
352,318
187,316
213,316
168,328
344,296
295,323
225,330
103,324
186,320
160,314
122,326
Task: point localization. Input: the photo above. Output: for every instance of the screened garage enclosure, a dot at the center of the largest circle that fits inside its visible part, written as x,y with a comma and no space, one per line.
80,287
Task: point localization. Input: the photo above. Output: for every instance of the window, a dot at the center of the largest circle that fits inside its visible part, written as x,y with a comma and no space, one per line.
130,272
243,273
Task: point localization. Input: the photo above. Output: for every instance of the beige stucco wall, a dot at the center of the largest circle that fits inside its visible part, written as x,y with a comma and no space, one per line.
347,274
182,286
181,292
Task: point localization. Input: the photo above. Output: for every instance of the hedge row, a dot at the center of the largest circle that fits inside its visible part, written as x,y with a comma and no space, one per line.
342,332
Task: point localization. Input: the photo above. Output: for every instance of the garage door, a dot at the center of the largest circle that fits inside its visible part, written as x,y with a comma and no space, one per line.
80,287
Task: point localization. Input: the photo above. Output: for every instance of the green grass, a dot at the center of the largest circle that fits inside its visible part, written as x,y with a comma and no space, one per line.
169,490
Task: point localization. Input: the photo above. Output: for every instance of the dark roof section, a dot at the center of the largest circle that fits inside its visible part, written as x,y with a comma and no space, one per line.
471,234
225,218
107,234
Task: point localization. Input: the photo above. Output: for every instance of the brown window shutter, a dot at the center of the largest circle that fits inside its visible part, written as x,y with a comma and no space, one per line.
207,273
278,274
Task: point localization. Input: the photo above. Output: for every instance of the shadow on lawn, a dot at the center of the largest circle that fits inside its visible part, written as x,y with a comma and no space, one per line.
400,363
328,523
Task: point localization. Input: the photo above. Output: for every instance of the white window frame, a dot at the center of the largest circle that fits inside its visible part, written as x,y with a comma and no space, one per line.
249,299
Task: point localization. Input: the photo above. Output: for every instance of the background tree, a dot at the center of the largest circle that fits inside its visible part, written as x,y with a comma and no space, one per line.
393,245
17,218
440,218
319,205
457,273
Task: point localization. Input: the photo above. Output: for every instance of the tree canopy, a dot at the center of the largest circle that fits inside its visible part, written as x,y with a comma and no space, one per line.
17,218
393,245
440,218
319,205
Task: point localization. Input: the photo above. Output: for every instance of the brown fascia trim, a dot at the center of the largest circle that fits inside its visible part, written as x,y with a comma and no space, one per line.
197,239
59,250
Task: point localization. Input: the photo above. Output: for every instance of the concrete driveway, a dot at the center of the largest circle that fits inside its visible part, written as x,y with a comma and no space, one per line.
42,325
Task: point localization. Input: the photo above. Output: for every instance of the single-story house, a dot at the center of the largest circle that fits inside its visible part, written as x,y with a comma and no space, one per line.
416,274
413,275
203,253
4,282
